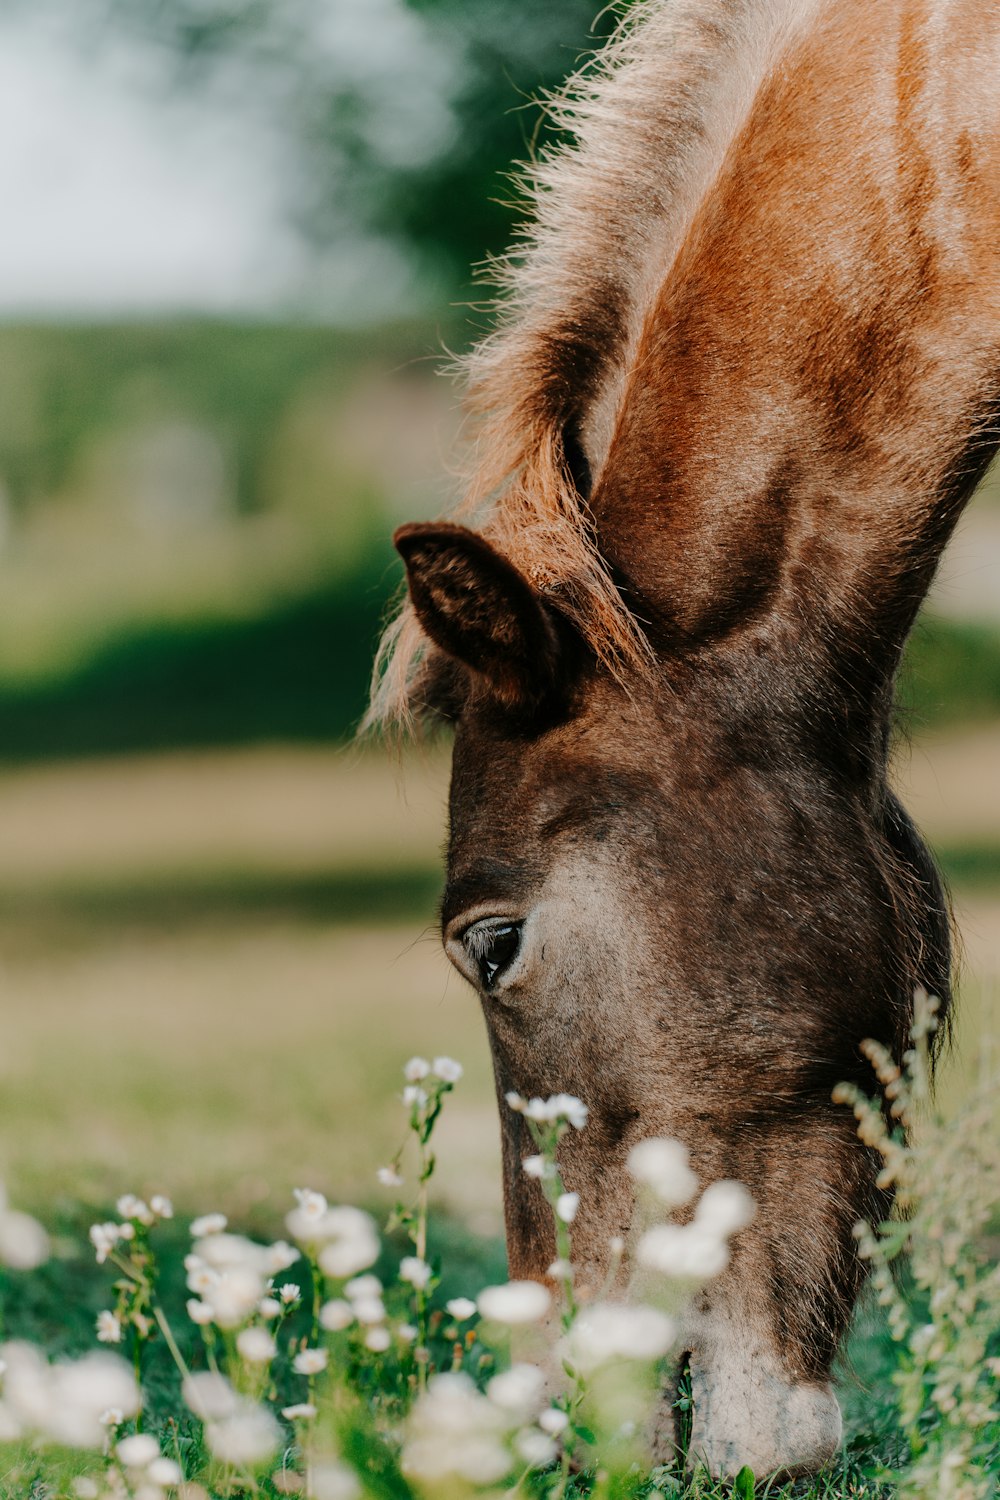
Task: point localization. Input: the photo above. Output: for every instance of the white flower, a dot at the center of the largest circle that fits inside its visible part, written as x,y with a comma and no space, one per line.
81,1390
210,1396
290,1292
515,1101
724,1208
309,1361
413,1095
249,1436
208,1224
280,1257
662,1164
199,1312
109,1329
551,1111
553,1421
363,1286
560,1270
113,1417
567,1205
460,1308
269,1307
455,1431
535,1448
447,1069
300,1411
514,1302
330,1480
335,1316
24,1244
682,1251
131,1207
137,1451
537,1166
104,1238
161,1206
378,1340
368,1309
347,1256
416,1069
407,1333
256,1345
569,1107
231,1252
164,1471
605,1331
347,1237
389,1177
202,1278
415,1271
517,1391
235,1293
64,1401
312,1205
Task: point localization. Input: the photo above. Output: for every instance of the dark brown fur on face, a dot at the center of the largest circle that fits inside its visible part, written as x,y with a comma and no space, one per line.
718,902
724,477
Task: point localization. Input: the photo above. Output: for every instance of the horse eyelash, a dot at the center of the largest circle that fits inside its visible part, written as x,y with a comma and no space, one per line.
477,940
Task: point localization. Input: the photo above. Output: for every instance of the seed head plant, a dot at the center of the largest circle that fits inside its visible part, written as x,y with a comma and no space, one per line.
946,1324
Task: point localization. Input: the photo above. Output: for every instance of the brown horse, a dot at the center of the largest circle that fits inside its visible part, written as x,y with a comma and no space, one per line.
746,375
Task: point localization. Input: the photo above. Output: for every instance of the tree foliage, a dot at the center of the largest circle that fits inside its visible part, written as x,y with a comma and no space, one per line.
397,118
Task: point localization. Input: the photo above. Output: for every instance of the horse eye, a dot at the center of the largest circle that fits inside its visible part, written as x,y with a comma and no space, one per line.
492,946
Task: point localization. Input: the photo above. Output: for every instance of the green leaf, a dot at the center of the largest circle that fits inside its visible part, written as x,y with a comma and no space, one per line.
586,1433
744,1484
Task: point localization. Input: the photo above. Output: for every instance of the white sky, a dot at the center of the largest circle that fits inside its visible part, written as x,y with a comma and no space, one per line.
115,197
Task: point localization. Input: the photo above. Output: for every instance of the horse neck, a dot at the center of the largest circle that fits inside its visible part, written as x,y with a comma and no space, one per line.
814,391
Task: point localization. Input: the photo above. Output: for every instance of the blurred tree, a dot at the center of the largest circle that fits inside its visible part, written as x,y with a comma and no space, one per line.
400,119
456,207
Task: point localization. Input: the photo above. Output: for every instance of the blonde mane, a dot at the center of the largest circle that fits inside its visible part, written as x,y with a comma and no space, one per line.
649,122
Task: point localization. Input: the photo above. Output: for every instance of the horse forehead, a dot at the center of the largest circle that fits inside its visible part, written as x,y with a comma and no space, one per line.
534,805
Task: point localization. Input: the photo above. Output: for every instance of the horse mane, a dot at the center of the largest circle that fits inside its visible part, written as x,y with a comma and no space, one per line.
648,122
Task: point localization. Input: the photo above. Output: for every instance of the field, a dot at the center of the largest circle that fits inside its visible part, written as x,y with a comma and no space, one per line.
190,956
216,962
217,916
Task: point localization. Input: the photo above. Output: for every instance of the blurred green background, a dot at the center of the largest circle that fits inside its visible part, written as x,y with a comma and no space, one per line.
240,243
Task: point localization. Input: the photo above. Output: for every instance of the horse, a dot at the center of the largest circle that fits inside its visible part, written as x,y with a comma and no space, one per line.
744,376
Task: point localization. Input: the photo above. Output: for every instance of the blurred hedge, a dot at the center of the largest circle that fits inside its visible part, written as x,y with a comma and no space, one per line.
300,672
296,672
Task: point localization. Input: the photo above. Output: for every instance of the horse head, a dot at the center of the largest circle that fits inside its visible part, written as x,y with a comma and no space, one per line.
685,910
745,379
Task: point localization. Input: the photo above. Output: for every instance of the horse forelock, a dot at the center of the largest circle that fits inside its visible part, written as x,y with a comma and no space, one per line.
649,122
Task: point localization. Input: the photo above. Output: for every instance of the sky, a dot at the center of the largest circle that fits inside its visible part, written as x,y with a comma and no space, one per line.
118,196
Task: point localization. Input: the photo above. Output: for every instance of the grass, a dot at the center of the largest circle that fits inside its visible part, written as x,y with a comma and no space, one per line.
226,1067
192,1007
57,1305
238,947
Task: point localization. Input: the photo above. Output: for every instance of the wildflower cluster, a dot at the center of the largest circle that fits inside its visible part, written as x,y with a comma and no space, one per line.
320,1373
427,1086
946,1178
24,1244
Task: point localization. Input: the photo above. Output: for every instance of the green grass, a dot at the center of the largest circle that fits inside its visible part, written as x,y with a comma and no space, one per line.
293,671
57,1305
951,674
166,900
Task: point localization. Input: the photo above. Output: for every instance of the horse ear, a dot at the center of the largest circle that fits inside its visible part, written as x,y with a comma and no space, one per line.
481,611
